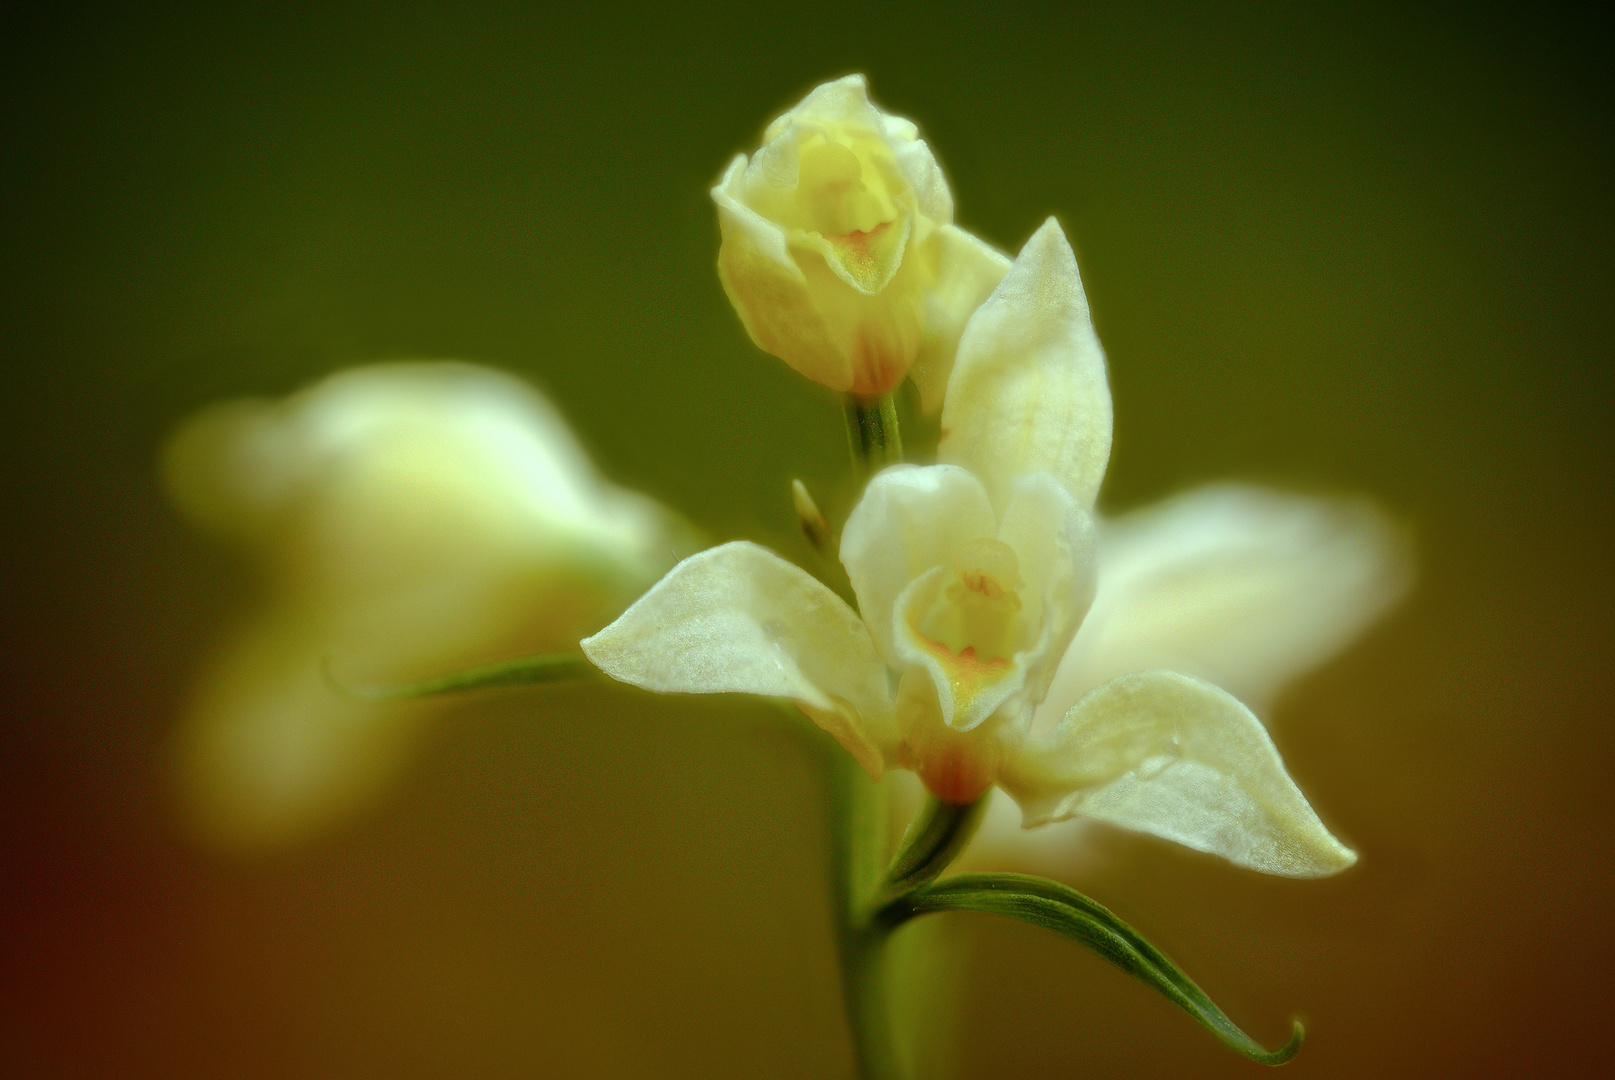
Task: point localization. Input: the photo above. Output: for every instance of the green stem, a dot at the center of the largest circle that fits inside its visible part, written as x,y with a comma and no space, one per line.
551,667
858,812
858,824
872,432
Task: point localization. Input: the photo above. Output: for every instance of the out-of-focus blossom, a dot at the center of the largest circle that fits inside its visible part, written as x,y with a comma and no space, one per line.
410,518
839,252
972,578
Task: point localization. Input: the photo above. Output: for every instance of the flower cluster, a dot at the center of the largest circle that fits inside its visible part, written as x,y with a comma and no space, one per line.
973,577
418,517
1009,645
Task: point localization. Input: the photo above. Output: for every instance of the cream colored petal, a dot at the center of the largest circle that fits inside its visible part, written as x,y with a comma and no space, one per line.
270,755
738,618
1243,587
918,166
769,291
767,238
1028,391
839,102
967,271
910,519
400,473
411,519
1166,754
841,108
1054,539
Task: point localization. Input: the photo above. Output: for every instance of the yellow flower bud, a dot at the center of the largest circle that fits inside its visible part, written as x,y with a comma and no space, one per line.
839,252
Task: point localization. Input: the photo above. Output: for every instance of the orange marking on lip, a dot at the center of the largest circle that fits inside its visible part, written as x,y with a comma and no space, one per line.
967,673
857,238
854,247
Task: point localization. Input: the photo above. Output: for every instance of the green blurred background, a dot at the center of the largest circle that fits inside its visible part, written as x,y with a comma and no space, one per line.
1369,250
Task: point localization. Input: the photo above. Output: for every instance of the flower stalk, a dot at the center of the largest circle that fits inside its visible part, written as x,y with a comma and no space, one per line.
858,809
873,435
858,822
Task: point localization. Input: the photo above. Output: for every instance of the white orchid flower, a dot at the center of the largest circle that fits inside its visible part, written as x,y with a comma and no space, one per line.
410,518
973,577
839,250
1238,586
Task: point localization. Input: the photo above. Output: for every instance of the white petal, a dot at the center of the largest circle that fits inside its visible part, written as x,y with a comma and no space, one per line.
738,618
1028,390
967,272
1170,755
1242,587
911,518
400,476
1055,540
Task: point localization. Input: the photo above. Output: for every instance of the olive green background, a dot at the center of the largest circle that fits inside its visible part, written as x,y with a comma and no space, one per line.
1369,250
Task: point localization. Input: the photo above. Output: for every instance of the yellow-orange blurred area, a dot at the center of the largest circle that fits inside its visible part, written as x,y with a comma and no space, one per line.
1364,254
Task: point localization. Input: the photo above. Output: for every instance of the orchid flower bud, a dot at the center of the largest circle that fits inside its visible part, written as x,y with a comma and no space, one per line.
839,252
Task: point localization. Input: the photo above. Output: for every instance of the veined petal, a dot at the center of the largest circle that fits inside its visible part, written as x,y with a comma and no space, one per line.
1242,587
1028,391
911,518
918,167
763,235
738,618
967,272
1166,754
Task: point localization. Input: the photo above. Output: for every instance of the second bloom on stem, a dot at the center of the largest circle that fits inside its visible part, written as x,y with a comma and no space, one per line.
972,578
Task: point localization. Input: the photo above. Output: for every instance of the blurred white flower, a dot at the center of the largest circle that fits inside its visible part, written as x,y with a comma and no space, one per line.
839,252
973,577
410,518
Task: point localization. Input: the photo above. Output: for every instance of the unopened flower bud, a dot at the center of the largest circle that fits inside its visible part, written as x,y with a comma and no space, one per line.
814,525
839,252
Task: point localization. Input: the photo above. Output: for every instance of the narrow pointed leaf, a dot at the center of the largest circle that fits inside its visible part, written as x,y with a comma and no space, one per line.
1056,907
551,667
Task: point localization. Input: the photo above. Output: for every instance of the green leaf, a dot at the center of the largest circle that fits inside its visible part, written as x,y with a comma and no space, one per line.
552,667
1056,907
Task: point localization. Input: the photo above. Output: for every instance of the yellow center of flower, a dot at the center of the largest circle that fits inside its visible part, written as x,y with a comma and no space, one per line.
976,618
836,194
